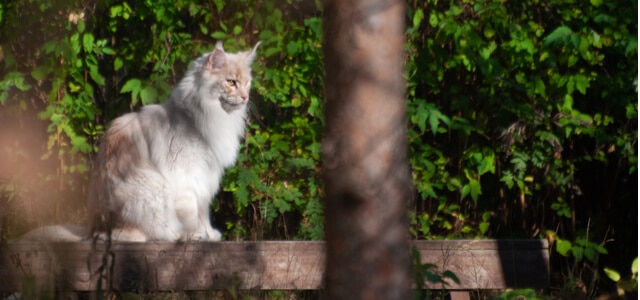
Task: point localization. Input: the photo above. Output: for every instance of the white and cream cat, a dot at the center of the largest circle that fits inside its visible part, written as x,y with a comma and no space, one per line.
158,169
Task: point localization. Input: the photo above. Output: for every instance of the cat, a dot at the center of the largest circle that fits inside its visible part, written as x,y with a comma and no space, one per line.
158,169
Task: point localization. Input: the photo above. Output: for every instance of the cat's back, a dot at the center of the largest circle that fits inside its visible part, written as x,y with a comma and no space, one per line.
126,144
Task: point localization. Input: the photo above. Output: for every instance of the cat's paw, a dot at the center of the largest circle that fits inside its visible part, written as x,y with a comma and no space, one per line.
210,235
214,235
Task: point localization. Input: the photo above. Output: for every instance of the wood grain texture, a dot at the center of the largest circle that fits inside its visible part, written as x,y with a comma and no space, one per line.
282,265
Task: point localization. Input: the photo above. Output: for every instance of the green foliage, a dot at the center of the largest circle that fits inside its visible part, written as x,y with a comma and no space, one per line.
626,285
65,77
92,69
516,116
503,93
580,249
277,172
525,294
429,272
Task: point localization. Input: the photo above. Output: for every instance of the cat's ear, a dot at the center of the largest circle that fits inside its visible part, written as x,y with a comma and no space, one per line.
218,58
219,45
251,55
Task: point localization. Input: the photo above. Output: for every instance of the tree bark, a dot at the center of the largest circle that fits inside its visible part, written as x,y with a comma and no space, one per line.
366,171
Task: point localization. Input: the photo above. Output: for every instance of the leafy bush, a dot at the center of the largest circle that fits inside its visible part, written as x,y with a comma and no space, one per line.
523,118
94,69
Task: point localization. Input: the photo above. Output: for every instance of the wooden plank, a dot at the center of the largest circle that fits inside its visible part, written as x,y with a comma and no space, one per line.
459,295
281,265
489,264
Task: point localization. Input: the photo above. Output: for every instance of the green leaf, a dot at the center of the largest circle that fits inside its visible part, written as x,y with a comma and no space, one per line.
581,83
476,189
634,266
237,30
573,59
271,51
540,87
487,165
115,11
632,47
563,247
18,81
219,4
578,252
219,35
282,205
292,48
265,35
94,73
484,227
81,25
612,274
108,51
132,86
418,15
466,189
74,88
117,63
596,3
599,248
40,72
508,179
590,253
149,95
560,34
433,20
87,42
241,197
433,122
204,29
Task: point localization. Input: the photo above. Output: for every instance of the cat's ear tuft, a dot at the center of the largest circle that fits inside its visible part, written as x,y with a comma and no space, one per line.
251,55
219,45
217,59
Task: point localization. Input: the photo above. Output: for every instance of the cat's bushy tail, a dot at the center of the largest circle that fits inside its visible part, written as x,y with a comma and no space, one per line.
56,233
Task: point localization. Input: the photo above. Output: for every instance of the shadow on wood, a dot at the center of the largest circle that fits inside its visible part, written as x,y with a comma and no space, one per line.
488,264
163,266
285,265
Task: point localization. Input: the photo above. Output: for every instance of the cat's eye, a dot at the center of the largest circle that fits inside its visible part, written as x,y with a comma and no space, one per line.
231,82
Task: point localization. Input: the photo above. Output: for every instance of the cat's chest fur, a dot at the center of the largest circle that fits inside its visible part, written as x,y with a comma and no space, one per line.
194,151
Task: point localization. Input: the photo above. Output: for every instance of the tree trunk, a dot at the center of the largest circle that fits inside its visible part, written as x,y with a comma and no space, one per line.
366,172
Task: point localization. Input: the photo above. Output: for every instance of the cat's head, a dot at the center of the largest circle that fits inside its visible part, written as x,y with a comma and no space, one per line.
231,75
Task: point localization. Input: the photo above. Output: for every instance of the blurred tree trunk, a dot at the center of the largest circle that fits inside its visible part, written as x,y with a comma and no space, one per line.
364,151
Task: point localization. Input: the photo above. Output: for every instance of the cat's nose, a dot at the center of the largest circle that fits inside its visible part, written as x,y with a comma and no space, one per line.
244,97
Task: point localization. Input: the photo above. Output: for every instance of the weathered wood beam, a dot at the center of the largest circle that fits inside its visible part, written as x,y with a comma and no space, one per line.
289,265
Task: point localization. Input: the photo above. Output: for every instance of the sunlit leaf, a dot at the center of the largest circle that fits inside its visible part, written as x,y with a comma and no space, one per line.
563,247
612,274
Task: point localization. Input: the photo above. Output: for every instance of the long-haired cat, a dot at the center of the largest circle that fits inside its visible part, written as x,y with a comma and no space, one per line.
158,169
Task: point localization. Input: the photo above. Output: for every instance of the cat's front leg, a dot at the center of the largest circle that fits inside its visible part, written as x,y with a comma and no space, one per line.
195,220
187,211
205,231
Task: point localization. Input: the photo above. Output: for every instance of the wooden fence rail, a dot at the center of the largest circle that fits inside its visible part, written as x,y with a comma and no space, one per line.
266,265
